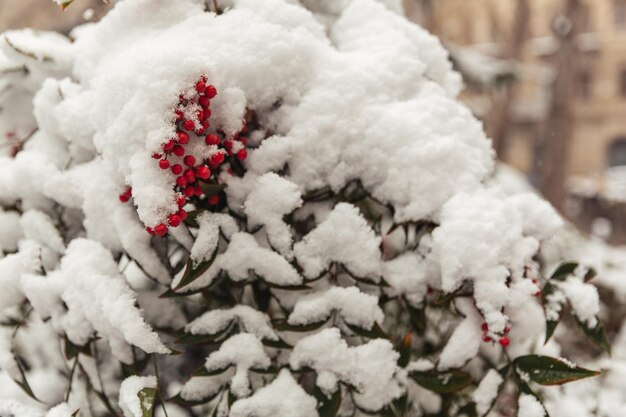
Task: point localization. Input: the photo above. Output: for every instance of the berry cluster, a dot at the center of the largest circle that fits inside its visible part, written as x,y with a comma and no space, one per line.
504,340
192,120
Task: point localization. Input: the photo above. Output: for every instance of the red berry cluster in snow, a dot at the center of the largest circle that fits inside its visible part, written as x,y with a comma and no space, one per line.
504,340
192,120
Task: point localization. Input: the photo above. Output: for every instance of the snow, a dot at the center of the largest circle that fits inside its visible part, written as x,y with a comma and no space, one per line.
371,366
500,235
344,237
208,234
97,298
10,407
465,341
244,351
242,256
129,399
271,199
583,298
294,401
487,391
529,406
322,80
248,319
26,260
349,304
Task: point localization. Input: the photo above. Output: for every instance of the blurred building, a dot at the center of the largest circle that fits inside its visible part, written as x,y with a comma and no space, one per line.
599,139
483,36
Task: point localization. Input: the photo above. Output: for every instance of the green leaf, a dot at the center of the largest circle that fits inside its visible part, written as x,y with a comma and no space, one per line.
24,382
545,370
596,334
404,348
276,344
146,401
442,382
205,372
590,274
328,407
283,325
418,318
192,273
549,289
72,350
564,270
210,189
204,339
374,333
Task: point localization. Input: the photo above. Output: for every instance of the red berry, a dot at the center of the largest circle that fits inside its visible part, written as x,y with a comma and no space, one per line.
207,112
243,140
150,230
242,154
189,160
205,124
198,191
177,169
204,101
487,338
180,200
228,144
200,114
200,86
181,181
183,138
203,172
156,155
160,229
484,327
504,341
124,198
189,191
183,214
179,150
174,220
169,145
214,200
210,91
188,125
217,158
164,164
190,176
212,139
179,115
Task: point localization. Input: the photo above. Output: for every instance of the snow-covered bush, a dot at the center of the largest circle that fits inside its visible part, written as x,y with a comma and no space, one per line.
265,208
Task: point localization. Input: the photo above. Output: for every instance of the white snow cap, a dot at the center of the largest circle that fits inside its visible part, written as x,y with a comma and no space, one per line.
371,367
350,304
294,402
250,320
130,402
344,237
529,406
487,391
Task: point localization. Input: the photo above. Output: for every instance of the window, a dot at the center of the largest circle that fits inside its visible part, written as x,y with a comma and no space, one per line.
617,153
619,14
584,86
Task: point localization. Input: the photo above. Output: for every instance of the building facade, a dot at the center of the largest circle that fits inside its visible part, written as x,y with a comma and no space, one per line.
599,90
